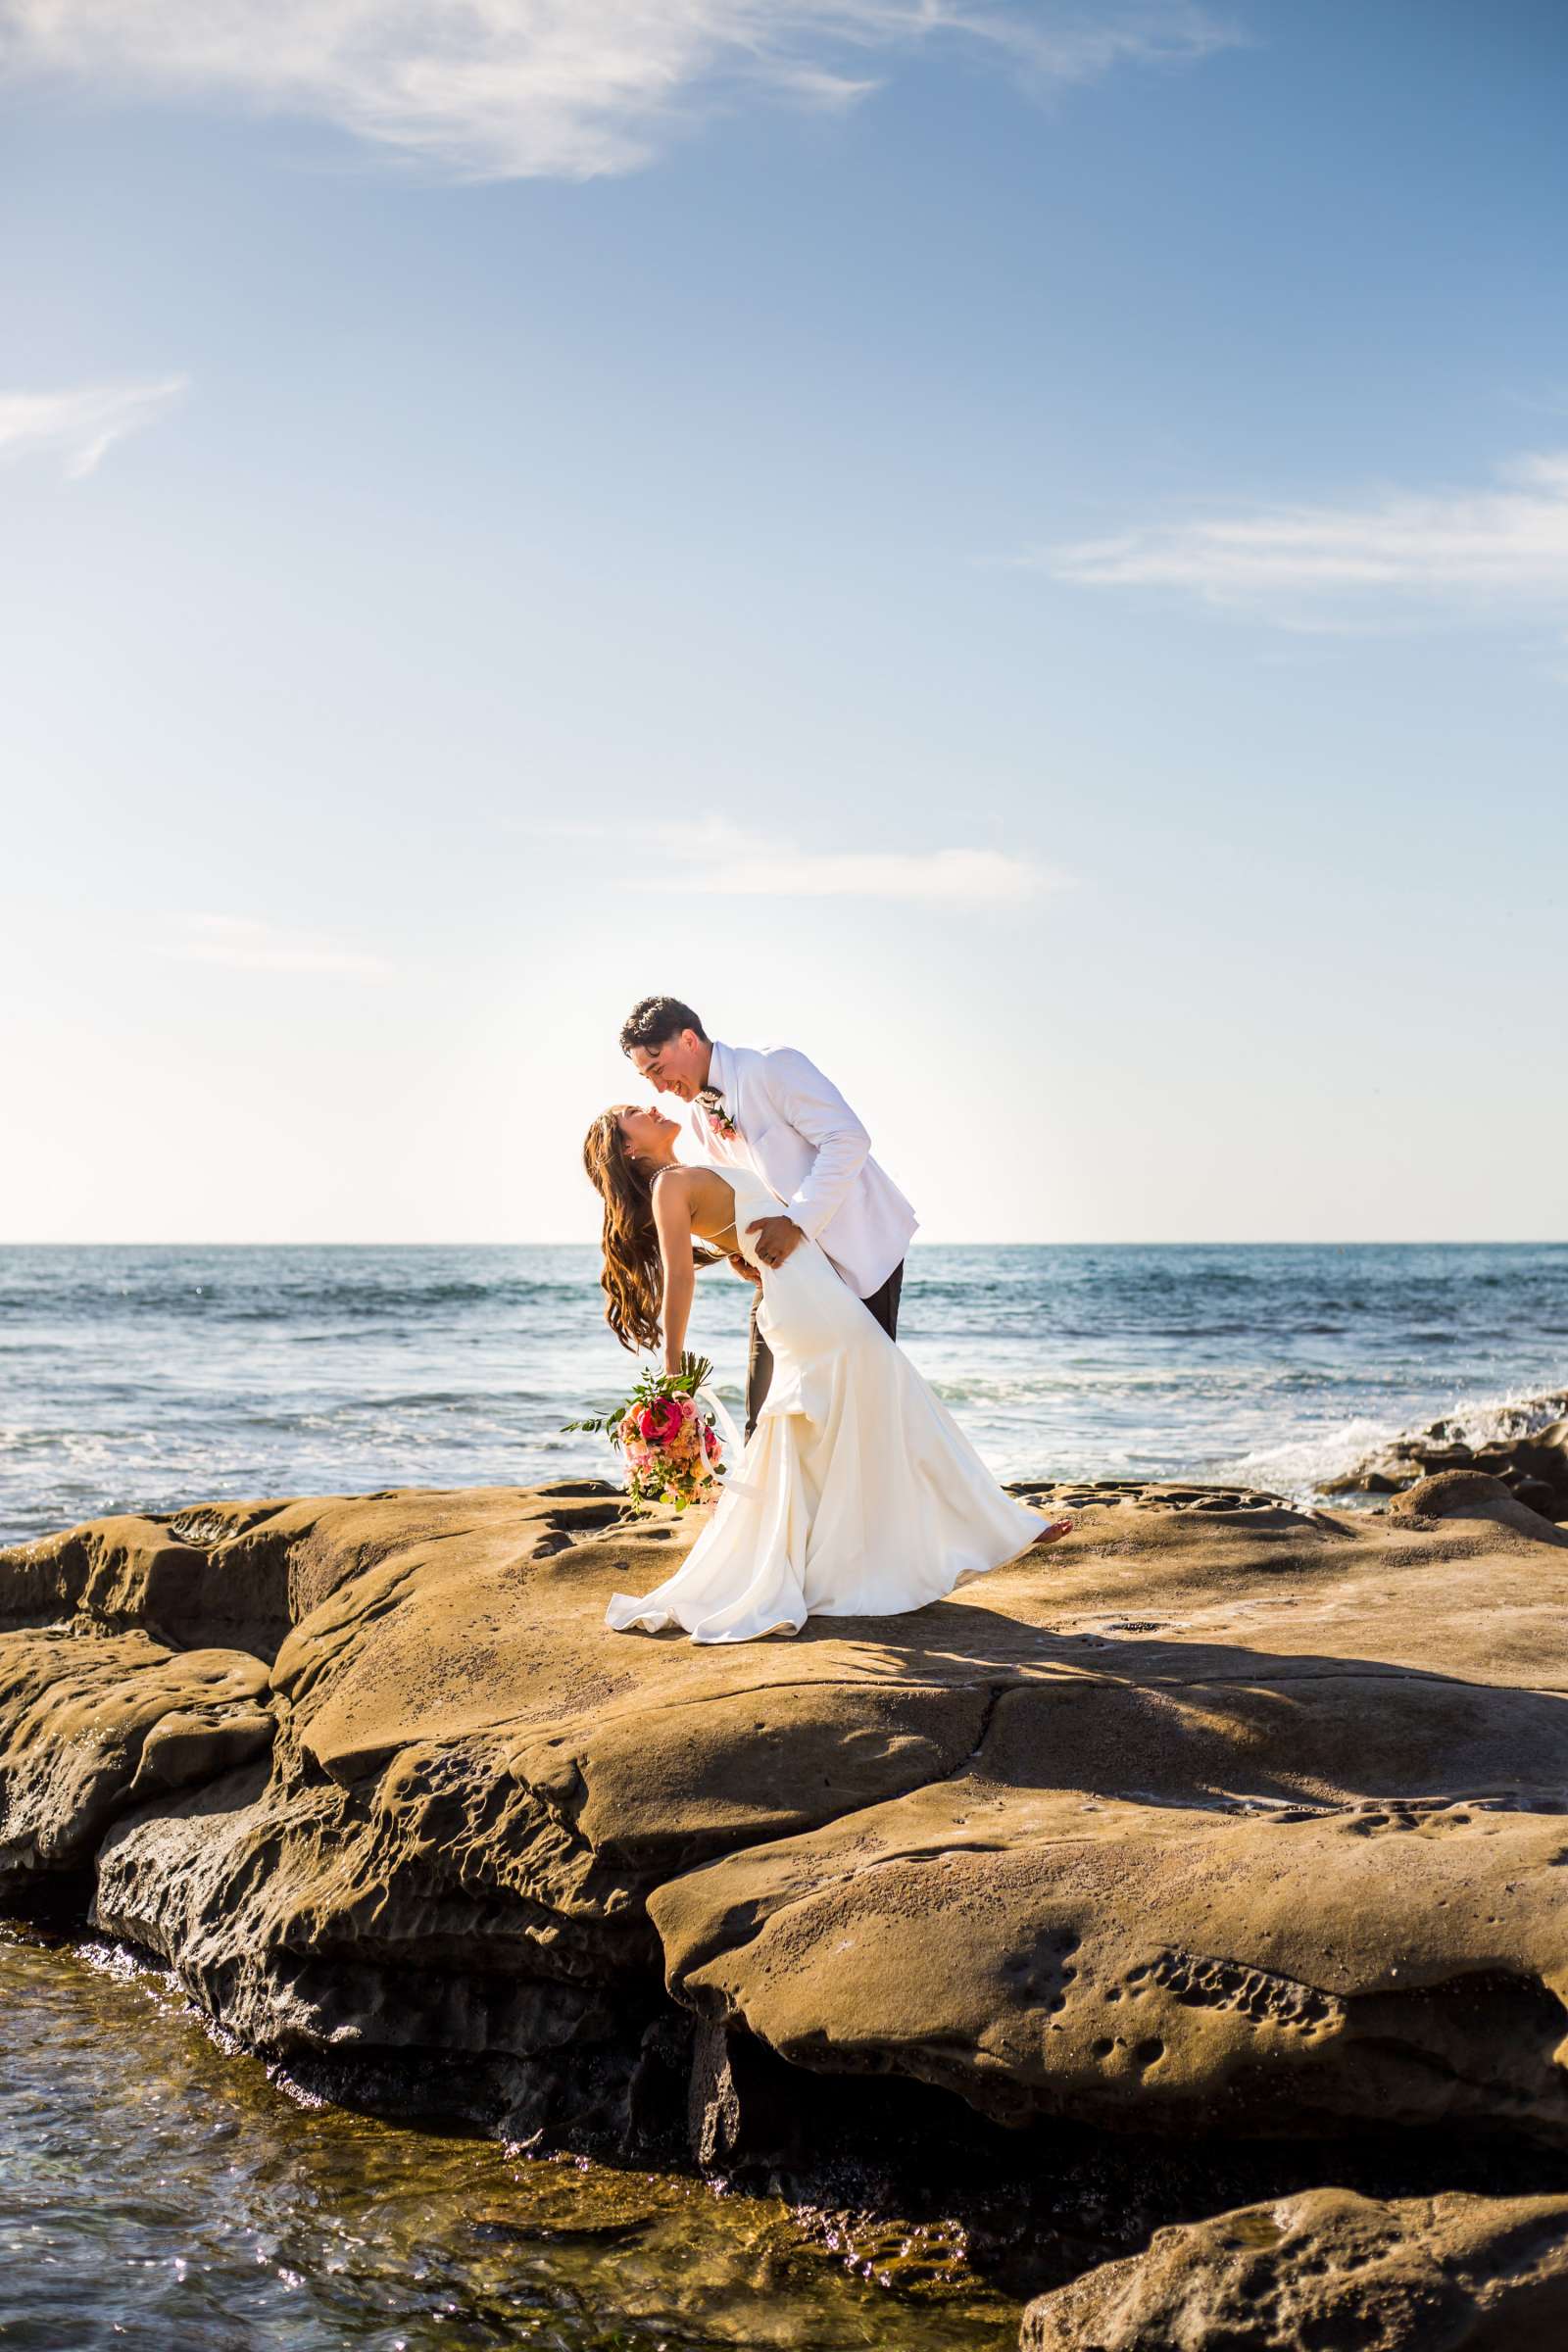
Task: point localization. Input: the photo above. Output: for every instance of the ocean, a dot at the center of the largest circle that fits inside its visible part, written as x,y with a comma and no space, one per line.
153,1377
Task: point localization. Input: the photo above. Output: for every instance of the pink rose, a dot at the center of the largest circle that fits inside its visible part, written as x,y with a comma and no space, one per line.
667,1422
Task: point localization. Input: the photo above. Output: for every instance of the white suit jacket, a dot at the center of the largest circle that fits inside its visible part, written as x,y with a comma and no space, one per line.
803,1139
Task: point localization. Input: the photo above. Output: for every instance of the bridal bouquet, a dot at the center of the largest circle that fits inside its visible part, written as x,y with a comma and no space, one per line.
667,1436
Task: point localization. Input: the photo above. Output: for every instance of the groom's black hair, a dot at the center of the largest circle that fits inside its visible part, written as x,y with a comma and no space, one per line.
656,1020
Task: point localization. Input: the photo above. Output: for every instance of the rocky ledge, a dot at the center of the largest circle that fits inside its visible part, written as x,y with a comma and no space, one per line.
1224,1827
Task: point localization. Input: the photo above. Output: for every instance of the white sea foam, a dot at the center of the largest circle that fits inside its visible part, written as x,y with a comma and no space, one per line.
1518,1414
1304,1465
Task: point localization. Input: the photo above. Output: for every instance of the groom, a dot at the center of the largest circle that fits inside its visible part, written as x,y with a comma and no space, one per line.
770,1110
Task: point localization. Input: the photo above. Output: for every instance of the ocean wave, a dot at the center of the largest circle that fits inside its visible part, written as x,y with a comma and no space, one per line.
316,1302
1305,1464
1068,1382
289,1287
1487,1420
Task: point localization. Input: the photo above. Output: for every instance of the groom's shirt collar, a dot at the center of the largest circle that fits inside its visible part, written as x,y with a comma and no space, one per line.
720,1074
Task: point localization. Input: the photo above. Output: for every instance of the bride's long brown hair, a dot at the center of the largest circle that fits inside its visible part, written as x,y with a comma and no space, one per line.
632,1279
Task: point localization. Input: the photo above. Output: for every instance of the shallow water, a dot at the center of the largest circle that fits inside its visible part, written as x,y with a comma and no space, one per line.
157,1377
160,2190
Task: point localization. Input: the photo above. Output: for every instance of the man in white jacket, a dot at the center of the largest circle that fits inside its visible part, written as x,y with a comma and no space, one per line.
771,1109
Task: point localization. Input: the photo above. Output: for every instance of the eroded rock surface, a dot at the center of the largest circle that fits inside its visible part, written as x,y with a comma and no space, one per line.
1326,2272
1282,1849
1222,1815
93,1724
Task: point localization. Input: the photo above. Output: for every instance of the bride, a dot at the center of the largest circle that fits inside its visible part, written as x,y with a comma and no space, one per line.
858,1495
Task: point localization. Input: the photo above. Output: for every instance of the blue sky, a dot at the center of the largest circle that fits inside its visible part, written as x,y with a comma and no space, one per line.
1023,550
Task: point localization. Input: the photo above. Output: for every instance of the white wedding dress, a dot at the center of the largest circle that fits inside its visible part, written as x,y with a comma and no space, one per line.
858,1495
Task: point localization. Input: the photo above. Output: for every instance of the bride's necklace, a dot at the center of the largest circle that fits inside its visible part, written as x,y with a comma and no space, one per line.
668,1170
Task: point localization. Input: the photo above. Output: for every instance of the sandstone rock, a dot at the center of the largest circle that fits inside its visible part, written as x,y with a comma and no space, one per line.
192,1746
164,1576
1269,1865
1329,2270
88,1721
1221,1815
1472,1495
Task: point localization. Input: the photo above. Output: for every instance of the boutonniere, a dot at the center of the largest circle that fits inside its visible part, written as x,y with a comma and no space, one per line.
717,1118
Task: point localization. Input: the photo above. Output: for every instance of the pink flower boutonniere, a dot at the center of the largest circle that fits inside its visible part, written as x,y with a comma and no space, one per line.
717,1118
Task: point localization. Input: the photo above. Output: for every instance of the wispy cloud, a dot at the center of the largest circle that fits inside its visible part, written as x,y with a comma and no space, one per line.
573,89
1507,547
246,945
733,862
76,428
757,868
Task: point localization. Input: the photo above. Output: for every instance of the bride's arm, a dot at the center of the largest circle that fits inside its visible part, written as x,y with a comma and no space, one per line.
672,1221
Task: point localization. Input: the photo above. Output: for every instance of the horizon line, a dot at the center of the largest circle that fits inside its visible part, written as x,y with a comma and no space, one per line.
1202,1242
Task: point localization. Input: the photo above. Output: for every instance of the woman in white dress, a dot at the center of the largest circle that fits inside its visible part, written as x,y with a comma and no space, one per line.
858,1495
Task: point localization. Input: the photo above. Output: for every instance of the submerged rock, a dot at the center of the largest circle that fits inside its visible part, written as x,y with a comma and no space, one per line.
1325,2270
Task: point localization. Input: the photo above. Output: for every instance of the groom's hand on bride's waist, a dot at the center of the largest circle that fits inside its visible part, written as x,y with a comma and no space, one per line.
777,1238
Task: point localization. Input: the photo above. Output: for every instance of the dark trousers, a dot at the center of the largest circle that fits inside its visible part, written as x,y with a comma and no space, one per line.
882,1303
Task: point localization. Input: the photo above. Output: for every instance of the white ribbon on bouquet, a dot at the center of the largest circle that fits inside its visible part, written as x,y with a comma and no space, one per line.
734,1443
